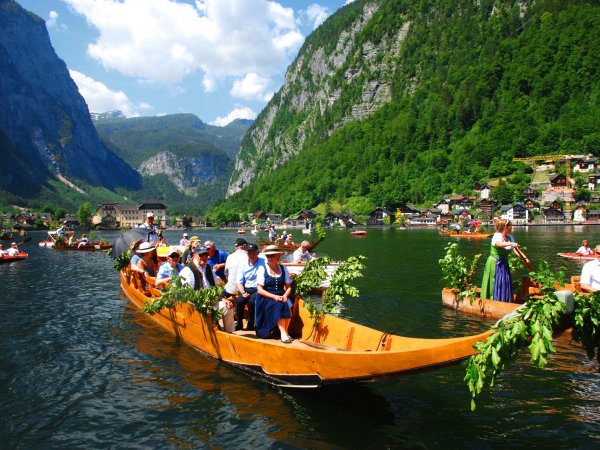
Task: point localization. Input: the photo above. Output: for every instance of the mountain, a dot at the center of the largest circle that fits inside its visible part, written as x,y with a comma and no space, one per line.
181,159
46,133
394,101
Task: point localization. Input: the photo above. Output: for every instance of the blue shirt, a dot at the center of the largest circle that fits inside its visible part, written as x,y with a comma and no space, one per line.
219,257
246,273
165,270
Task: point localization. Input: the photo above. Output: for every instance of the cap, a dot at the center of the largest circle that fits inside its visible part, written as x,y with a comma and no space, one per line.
149,215
184,234
173,251
201,250
240,241
252,247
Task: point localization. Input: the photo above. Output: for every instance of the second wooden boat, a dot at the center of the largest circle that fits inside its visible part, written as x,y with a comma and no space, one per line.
4,259
576,256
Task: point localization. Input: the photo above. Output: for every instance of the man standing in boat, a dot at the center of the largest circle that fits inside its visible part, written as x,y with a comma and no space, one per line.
198,274
590,274
151,229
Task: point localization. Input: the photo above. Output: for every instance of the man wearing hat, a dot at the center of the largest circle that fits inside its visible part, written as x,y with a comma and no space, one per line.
216,258
590,274
188,253
13,250
184,240
198,274
151,229
236,259
245,283
170,267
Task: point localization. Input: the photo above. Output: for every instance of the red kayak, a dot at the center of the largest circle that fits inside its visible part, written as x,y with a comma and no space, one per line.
8,259
576,256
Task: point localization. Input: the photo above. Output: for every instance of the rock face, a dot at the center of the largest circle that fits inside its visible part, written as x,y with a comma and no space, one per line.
45,126
351,78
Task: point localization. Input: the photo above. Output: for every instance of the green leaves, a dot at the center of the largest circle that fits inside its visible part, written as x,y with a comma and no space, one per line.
458,270
204,300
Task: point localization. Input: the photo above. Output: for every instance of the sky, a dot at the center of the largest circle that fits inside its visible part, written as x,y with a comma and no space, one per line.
218,59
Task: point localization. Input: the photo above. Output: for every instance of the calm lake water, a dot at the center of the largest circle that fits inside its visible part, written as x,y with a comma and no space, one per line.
81,368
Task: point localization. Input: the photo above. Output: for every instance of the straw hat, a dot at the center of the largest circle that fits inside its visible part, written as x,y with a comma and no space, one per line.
174,251
145,247
272,250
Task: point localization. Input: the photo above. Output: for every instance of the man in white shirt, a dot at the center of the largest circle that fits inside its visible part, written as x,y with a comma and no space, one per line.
13,250
235,260
152,230
198,274
302,255
590,274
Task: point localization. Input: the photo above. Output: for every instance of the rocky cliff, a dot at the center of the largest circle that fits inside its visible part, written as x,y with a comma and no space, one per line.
45,125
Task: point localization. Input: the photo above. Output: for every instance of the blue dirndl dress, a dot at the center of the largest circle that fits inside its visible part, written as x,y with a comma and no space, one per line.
268,311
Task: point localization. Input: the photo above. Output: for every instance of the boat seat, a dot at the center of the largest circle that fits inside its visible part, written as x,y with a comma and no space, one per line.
576,282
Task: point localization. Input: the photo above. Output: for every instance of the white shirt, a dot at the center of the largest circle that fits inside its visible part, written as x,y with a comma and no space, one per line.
584,251
235,260
12,251
299,257
590,274
498,237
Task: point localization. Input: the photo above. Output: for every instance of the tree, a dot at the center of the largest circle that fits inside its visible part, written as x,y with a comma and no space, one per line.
84,214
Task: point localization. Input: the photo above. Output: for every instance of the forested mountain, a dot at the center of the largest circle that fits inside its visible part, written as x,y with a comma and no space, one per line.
182,160
395,101
46,134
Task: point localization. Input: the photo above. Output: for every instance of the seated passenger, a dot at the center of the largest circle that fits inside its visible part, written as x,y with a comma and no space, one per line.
146,263
302,255
273,305
83,241
170,267
584,250
13,250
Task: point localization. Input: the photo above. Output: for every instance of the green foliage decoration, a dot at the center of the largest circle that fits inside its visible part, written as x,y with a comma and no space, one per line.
340,285
204,300
122,261
458,271
586,323
531,326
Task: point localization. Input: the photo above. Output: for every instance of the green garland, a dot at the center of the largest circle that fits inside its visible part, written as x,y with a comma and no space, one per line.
339,286
532,326
204,300
122,261
457,272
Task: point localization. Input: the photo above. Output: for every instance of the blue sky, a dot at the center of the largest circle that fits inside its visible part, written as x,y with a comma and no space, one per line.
217,59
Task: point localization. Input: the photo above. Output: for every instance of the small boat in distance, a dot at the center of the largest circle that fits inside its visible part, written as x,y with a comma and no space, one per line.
359,233
462,234
8,259
577,257
240,231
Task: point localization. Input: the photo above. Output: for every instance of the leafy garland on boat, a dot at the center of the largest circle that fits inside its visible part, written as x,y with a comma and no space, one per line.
532,326
340,285
204,300
458,271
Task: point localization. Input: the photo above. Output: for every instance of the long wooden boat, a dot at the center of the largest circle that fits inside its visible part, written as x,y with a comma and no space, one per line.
466,235
91,247
6,236
8,259
336,351
290,247
576,256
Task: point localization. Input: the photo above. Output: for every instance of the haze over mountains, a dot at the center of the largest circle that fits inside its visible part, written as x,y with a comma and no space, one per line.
387,102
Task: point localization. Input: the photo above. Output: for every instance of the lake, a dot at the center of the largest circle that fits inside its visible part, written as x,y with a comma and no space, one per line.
81,368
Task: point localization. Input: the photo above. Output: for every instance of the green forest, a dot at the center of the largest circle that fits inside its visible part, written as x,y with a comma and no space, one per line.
476,84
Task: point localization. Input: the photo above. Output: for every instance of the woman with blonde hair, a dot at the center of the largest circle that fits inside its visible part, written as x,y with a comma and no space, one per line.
497,280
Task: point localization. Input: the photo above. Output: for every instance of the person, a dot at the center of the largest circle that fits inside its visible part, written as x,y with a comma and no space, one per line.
172,266
237,258
151,229
162,241
584,250
198,274
272,233
273,306
590,273
216,258
497,281
146,263
289,240
245,283
184,240
62,231
188,253
301,254
2,251
83,241
13,250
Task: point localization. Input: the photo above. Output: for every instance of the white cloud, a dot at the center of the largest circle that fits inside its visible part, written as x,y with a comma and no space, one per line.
238,113
52,21
100,98
252,87
163,41
317,14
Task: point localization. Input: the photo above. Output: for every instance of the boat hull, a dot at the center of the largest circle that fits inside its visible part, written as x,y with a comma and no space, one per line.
577,257
336,351
83,248
480,306
5,259
467,235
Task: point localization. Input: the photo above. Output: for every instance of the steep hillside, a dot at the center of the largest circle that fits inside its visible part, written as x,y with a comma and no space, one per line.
45,126
183,161
400,101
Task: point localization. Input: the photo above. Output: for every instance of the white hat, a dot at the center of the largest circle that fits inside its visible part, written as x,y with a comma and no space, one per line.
145,247
184,234
149,215
173,250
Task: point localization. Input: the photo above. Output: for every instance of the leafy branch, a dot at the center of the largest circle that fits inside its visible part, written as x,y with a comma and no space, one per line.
586,323
458,271
340,286
204,300
122,261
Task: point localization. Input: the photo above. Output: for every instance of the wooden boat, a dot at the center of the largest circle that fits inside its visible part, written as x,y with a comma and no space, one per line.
336,351
290,247
576,256
4,259
466,235
91,247
359,233
493,309
6,236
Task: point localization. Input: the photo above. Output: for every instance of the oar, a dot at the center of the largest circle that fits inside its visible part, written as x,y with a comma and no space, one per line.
23,241
523,257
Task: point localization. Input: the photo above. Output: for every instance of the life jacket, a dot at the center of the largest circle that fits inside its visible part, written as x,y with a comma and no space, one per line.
198,284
